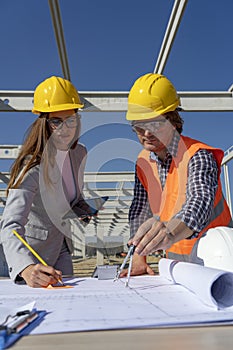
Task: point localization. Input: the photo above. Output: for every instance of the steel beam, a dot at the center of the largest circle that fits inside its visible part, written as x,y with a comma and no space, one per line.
169,37
59,35
103,101
228,155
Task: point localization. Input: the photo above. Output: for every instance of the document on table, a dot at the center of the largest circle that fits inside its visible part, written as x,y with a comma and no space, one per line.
6,310
15,323
170,299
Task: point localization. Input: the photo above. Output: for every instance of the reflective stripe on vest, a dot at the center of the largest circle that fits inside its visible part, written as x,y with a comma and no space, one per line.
168,201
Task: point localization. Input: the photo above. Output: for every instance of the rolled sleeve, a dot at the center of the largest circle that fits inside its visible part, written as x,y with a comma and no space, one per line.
139,210
200,192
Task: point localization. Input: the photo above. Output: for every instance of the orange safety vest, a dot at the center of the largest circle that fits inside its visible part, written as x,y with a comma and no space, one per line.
167,202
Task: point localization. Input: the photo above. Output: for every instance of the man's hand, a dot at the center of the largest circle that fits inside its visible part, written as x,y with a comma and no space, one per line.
139,267
155,235
38,275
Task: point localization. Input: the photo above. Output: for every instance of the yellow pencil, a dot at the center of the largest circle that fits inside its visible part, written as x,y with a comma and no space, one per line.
32,251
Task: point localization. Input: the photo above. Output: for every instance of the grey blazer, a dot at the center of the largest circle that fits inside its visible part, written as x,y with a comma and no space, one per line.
36,212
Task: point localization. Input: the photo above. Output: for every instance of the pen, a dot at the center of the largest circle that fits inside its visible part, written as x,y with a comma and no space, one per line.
13,326
33,251
19,323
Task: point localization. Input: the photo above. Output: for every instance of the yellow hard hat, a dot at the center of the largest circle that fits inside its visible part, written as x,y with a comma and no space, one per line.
150,96
55,94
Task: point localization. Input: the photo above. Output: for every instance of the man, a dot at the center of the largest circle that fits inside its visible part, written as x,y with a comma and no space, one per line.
177,194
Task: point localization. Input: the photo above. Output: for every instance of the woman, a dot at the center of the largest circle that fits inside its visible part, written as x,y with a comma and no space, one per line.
46,181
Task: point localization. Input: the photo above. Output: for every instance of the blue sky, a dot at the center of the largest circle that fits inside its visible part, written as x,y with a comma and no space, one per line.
109,44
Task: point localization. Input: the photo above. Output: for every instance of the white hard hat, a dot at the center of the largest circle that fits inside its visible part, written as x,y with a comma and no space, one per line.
215,248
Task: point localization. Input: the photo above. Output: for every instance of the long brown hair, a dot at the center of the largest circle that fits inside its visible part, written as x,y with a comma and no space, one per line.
31,151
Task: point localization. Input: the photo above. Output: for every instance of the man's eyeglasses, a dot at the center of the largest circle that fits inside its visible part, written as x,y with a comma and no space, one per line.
152,127
70,122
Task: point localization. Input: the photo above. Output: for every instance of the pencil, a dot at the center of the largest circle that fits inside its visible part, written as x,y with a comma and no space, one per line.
33,251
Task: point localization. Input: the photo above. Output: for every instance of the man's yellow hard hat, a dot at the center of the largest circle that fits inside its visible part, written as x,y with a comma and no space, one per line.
55,94
150,96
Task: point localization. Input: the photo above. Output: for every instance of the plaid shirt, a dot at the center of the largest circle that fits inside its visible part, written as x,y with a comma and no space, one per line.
200,191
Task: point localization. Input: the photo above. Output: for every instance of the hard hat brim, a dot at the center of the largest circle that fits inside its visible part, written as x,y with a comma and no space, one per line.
57,108
139,112
141,116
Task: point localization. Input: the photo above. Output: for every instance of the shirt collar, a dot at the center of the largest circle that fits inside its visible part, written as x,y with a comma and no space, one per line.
172,148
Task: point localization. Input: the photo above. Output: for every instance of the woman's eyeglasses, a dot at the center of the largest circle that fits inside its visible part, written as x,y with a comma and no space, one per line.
70,122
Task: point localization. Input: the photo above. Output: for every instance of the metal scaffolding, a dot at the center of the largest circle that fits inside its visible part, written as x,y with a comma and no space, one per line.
114,218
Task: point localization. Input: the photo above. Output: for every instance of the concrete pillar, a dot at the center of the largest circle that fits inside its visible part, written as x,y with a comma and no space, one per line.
100,246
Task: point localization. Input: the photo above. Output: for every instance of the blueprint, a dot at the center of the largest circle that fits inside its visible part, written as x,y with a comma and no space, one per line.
149,301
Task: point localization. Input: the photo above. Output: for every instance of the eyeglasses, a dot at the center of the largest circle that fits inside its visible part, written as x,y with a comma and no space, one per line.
70,122
152,127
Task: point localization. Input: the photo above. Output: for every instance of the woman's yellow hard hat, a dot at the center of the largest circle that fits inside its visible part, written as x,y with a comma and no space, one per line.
55,94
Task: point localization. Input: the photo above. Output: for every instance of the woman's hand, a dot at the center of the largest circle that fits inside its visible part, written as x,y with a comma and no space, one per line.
38,275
